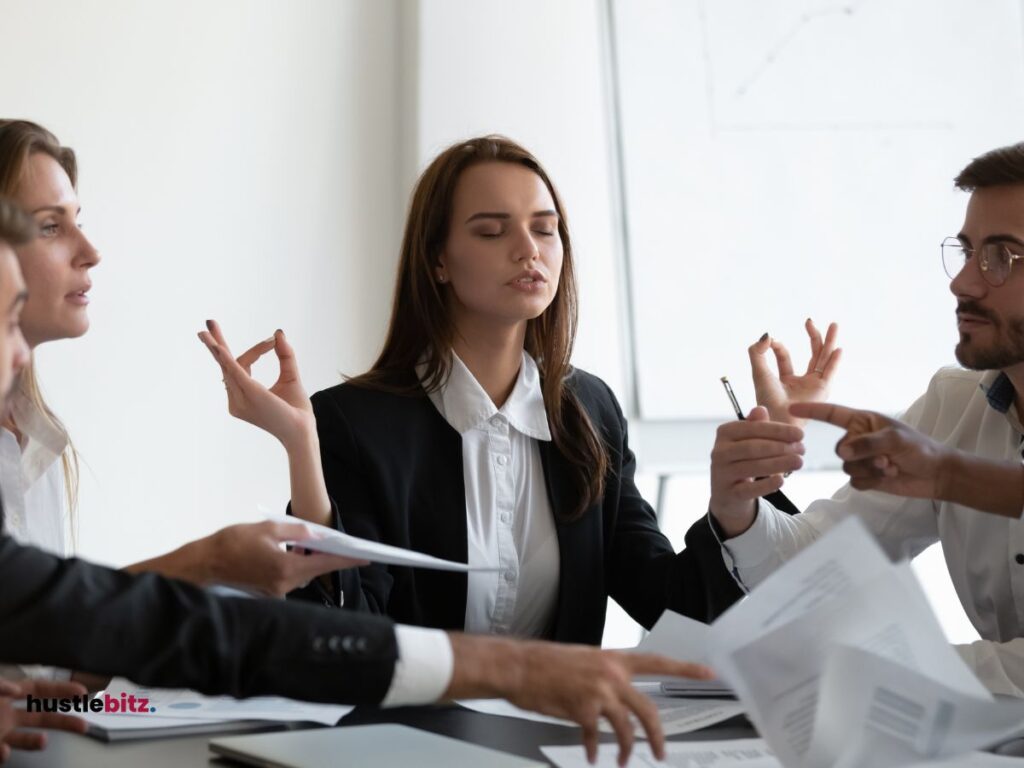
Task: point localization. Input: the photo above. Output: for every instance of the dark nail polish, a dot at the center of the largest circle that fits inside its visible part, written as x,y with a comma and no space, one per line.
763,338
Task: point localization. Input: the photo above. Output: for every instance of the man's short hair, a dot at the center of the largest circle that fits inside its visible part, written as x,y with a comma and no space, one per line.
16,226
1000,166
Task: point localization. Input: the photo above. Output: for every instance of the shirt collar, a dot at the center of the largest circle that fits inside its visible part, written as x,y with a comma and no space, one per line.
1000,392
465,405
42,442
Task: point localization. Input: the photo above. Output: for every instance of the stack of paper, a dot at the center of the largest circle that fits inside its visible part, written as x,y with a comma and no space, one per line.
678,715
683,639
735,753
180,712
840,662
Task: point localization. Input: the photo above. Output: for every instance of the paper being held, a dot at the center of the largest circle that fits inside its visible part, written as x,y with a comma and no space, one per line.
324,539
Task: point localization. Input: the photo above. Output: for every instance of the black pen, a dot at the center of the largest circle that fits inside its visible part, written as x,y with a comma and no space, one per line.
732,398
739,412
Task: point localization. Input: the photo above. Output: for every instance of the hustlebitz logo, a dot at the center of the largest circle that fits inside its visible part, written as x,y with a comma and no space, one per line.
125,704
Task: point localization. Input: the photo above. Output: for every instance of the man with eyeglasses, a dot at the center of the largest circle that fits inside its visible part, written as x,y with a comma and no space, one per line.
949,470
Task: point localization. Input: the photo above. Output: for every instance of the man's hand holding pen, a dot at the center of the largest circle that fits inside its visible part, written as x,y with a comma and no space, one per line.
748,461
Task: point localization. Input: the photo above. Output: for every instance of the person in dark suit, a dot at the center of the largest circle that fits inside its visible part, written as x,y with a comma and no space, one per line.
472,438
163,632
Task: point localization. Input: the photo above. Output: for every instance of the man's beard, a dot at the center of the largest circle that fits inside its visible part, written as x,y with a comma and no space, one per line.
1006,350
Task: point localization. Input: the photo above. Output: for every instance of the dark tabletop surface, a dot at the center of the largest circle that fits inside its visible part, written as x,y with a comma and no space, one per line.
522,737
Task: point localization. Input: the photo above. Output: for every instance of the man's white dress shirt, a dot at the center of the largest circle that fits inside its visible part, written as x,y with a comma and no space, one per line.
967,410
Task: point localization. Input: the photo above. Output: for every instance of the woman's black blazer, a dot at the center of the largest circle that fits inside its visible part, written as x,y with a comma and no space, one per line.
393,468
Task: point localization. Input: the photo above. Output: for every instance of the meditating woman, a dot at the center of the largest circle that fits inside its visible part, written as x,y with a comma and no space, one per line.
473,438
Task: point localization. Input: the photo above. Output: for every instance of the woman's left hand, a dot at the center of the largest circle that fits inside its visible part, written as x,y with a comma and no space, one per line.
284,409
777,393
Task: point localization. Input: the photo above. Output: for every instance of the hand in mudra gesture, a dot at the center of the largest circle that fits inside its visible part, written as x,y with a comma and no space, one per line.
283,409
777,392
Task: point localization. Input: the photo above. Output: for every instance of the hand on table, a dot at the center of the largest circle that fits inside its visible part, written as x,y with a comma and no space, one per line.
778,392
13,721
573,682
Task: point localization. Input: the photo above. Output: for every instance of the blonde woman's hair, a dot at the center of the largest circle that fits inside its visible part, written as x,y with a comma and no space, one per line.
19,140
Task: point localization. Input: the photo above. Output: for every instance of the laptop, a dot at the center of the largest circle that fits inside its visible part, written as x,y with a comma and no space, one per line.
380,746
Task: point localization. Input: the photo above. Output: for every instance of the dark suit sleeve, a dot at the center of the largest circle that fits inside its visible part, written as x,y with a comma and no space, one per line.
161,632
362,589
645,575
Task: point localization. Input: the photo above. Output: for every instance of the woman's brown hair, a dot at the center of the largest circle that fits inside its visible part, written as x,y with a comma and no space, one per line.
422,330
19,140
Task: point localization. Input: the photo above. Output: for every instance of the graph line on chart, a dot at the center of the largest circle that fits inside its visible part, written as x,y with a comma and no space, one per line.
770,57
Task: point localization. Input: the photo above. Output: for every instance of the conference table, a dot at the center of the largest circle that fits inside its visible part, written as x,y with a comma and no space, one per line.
507,734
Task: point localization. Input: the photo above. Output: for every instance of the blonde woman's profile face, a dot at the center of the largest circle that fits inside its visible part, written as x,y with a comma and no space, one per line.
503,255
55,264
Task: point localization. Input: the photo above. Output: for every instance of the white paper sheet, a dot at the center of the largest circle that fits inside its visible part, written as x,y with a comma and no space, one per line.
683,639
780,670
175,703
742,753
132,722
324,539
738,753
907,716
678,715
841,663
839,562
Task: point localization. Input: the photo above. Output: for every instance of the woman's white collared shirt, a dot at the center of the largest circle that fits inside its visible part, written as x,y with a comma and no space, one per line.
35,506
509,522
32,480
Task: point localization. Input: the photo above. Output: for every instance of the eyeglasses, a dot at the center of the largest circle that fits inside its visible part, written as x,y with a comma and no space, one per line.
994,260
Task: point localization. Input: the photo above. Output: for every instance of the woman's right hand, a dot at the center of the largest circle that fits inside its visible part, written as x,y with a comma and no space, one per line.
284,409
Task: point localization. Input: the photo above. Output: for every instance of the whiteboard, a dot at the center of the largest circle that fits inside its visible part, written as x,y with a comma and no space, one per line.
794,158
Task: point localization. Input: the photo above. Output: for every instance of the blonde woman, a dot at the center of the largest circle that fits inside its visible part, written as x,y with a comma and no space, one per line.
38,465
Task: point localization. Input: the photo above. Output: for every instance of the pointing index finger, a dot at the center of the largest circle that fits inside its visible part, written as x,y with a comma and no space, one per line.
837,415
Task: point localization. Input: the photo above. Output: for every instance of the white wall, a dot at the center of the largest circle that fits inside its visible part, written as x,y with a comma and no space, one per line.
538,76
252,160
237,161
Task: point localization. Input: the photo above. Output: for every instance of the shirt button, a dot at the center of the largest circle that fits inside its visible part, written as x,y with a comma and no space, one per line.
509,576
503,460
1019,558
505,517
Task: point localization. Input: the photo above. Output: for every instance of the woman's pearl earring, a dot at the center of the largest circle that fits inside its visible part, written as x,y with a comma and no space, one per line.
442,279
